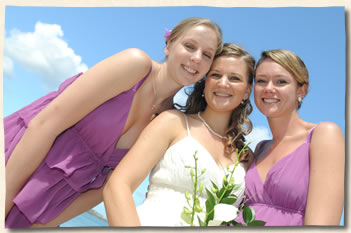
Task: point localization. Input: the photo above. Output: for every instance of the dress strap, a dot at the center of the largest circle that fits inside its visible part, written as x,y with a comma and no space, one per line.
136,87
187,124
309,137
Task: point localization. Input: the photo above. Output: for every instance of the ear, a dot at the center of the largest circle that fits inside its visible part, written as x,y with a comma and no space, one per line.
167,49
302,90
247,92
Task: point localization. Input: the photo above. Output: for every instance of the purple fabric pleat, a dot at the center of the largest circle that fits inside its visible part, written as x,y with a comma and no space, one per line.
79,159
281,199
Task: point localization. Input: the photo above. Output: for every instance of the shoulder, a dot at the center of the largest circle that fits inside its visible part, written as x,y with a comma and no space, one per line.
171,116
170,122
140,60
327,141
129,65
326,131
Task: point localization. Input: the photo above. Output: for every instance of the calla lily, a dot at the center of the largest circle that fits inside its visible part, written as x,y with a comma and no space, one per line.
223,213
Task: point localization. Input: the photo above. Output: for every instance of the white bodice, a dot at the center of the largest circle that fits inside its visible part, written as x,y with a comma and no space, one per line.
169,180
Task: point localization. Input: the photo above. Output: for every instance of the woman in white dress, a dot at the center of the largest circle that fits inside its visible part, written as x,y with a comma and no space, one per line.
215,120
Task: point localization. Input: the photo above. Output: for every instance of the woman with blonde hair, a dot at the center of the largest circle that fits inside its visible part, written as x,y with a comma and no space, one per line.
214,122
66,143
297,177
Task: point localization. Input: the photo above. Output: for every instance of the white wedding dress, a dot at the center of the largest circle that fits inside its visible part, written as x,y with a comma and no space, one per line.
169,180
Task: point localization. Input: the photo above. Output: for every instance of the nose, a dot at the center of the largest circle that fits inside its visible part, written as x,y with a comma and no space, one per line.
223,81
269,88
196,56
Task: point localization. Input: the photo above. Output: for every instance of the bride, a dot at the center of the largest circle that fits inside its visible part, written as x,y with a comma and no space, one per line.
214,122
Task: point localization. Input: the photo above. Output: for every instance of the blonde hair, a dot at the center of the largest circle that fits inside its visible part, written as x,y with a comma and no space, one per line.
289,61
188,23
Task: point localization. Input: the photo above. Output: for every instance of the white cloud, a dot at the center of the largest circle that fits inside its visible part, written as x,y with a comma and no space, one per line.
258,134
8,66
45,53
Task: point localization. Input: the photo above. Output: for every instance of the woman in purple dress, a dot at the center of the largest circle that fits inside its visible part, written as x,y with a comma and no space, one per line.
60,149
297,178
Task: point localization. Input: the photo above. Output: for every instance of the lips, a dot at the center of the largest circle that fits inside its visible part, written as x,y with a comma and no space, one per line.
221,94
189,69
270,100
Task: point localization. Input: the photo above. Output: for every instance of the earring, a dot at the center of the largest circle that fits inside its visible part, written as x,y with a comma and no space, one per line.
299,99
242,102
203,95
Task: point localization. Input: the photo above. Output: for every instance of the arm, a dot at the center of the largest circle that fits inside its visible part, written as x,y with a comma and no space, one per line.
102,82
326,186
134,167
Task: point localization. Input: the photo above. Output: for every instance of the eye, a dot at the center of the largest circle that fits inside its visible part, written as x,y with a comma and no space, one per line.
209,56
259,81
234,78
215,75
189,46
281,81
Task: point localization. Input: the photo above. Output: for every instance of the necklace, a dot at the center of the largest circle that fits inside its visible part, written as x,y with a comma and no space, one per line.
209,128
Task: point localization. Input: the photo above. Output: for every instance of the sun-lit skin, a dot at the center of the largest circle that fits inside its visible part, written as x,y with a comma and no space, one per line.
191,55
276,91
226,84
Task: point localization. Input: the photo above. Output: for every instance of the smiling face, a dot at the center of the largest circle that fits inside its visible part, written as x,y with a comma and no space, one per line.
276,91
190,56
227,84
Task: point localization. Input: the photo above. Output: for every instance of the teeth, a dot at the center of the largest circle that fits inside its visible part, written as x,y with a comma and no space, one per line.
221,94
187,68
270,100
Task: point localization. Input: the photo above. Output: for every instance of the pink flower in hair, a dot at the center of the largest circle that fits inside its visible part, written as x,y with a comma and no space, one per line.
168,33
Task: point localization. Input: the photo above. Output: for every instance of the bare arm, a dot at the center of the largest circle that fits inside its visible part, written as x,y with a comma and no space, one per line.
102,82
326,187
132,170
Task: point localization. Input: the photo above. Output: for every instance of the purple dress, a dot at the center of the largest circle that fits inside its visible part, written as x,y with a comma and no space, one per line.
281,199
79,160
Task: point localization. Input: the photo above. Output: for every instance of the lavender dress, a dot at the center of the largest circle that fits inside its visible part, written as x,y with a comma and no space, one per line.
281,199
79,159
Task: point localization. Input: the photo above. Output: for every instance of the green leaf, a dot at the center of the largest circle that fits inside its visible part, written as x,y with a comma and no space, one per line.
229,190
236,186
229,201
211,198
256,223
214,185
248,215
219,194
186,217
201,223
235,223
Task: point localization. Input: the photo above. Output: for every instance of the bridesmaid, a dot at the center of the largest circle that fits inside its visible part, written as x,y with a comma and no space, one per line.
66,143
297,178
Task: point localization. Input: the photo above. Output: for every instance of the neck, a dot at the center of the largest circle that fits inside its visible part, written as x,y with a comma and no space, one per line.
165,86
218,121
284,126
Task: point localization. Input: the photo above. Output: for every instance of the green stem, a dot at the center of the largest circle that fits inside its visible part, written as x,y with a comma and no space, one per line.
195,191
231,175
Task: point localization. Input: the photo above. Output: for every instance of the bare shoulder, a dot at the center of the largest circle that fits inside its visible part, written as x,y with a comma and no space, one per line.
139,61
327,140
327,130
171,117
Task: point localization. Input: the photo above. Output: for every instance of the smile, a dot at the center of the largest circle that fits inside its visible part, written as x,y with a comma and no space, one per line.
190,70
270,100
221,94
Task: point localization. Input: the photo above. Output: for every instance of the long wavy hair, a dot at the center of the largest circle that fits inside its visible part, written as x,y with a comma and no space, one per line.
239,124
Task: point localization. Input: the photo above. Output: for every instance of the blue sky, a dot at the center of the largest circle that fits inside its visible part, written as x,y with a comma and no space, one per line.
45,45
